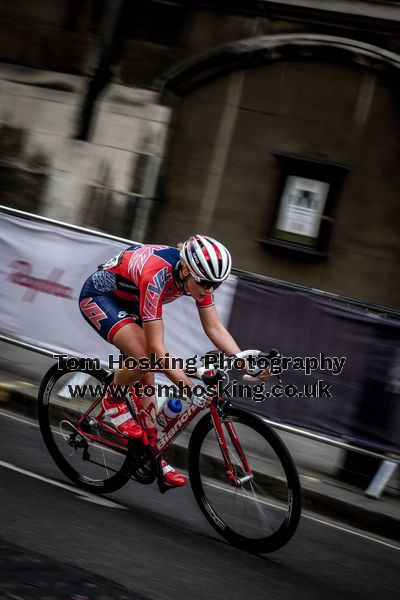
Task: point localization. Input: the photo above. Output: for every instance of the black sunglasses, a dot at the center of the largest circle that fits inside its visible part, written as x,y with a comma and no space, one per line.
207,285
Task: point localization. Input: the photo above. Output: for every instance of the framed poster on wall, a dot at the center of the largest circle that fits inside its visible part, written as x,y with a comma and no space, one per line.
305,204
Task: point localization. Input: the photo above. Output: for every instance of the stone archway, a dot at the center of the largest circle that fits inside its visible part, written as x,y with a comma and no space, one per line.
314,95
190,74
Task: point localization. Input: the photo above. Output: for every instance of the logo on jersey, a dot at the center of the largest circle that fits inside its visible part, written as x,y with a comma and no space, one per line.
139,258
22,275
153,292
159,281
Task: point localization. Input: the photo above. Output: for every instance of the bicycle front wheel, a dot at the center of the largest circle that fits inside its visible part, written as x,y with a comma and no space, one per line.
80,448
261,513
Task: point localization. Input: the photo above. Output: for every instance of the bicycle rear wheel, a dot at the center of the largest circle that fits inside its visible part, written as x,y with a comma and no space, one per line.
262,514
95,466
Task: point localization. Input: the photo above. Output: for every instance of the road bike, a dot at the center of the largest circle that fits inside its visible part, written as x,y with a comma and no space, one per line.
241,473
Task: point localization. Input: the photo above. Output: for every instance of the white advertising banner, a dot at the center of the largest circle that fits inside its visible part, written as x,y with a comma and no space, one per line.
42,269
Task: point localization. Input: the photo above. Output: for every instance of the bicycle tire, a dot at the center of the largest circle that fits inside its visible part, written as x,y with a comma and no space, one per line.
109,484
259,545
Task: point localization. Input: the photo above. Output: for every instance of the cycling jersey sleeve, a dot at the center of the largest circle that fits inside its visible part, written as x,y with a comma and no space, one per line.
206,301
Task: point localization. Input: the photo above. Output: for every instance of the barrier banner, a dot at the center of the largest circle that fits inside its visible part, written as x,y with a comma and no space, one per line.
42,270
342,371
354,355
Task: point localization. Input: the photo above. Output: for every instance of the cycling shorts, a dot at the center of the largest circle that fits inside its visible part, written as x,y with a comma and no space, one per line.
105,312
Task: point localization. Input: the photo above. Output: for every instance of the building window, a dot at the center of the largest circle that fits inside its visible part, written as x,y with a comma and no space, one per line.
305,205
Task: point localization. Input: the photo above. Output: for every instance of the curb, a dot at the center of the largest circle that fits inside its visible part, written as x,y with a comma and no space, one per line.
315,501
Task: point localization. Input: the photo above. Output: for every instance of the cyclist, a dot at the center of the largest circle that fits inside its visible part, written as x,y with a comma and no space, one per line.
123,302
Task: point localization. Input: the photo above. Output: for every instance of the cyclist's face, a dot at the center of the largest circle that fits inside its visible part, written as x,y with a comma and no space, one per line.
198,292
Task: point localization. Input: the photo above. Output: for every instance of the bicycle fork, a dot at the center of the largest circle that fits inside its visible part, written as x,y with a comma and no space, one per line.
230,469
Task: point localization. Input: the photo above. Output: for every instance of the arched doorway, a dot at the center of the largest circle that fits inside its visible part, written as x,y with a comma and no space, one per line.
320,97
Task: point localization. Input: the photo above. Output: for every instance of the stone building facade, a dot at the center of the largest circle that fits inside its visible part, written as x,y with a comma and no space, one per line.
200,106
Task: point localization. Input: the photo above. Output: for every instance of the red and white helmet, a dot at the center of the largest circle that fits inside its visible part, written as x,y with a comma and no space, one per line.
206,259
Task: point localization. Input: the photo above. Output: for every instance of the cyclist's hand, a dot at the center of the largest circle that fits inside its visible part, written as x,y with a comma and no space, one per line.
265,374
262,374
202,400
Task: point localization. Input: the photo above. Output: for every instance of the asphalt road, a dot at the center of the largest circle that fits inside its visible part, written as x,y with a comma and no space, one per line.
161,547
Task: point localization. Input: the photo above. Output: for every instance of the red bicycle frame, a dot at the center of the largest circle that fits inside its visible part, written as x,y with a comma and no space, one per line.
120,443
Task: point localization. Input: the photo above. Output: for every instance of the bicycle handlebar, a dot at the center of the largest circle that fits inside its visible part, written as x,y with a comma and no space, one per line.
201,371
243,354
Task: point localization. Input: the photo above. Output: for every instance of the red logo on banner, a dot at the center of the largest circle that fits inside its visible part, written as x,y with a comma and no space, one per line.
22,276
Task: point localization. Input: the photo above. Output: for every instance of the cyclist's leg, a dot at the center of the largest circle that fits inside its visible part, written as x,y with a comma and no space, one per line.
131,340
119,323
115,320
108,315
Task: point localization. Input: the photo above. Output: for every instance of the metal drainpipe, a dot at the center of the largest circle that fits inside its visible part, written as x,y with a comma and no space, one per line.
111,42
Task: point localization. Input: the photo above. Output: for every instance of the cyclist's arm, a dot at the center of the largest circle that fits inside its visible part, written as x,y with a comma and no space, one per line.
154,333
220,336
216,332
153,282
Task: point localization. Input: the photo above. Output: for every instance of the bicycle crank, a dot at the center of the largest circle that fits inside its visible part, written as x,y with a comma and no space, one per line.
142,462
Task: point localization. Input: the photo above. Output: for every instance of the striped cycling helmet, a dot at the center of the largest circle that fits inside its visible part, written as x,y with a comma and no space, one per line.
206,259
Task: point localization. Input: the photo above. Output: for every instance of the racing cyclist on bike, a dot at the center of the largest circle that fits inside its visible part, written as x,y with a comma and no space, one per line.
123,302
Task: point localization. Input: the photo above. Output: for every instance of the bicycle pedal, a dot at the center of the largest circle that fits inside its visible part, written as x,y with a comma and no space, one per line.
143,463
162,488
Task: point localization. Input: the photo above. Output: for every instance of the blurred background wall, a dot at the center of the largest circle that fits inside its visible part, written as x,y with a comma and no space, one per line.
153,120
103,183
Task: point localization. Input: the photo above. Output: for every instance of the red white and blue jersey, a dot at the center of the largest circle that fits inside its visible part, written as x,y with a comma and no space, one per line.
144,275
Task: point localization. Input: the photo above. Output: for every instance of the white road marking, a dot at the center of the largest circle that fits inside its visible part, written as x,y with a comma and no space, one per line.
20,419
34,424
306,516
356,533
84,495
